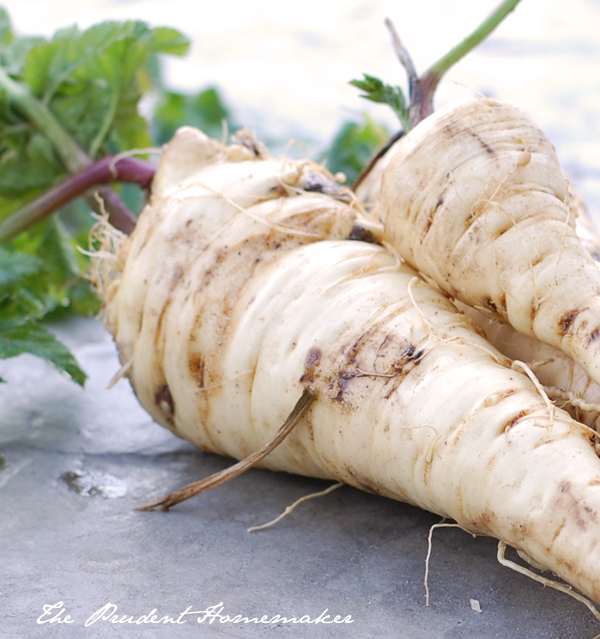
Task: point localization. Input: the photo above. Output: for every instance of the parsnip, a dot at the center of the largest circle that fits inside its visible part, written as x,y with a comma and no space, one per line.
474,198
239,289
563,379
566,382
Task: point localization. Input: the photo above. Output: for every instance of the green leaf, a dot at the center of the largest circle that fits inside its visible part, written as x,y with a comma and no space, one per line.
37,66
67,285
65,61
6,33
209,107
22,335
353,146
91,80
29,168
79,90
57,253
54,281
205,110
166,40
16,268
25,298
13,57
376,91
82,299
22,286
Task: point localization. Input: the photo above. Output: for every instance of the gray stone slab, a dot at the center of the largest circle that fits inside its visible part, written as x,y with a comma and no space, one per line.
77,462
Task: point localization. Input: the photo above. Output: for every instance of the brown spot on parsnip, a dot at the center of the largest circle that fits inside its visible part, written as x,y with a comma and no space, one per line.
558,530
409,351
488,149
410,355
158,333
520,531
484,523
489,304
315,186
310,364
361,234
417,357
278,191
343,380
535,307
196,366
566,321
502,301
594,335
164,400
516,418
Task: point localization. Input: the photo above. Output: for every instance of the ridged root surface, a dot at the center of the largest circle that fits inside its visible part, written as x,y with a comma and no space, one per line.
474,199
239,289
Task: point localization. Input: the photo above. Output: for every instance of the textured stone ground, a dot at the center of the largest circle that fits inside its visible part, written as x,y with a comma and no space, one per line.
76,463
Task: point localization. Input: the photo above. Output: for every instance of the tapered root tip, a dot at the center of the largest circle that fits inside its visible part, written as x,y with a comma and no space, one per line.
163,504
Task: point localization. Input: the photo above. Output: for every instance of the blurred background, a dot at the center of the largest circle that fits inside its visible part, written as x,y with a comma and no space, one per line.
283,68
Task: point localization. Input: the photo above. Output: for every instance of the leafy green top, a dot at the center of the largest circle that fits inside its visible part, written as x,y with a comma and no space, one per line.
90,81
377,91
64,102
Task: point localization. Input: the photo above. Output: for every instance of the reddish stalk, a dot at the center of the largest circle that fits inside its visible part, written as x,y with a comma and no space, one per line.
105,171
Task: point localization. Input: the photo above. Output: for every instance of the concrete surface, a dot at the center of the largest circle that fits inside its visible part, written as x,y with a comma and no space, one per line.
76,463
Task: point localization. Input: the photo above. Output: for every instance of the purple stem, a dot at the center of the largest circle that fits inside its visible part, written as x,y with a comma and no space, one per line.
105,171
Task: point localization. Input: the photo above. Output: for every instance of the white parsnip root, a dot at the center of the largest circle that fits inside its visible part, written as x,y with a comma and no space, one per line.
474,199
563,379
240,289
